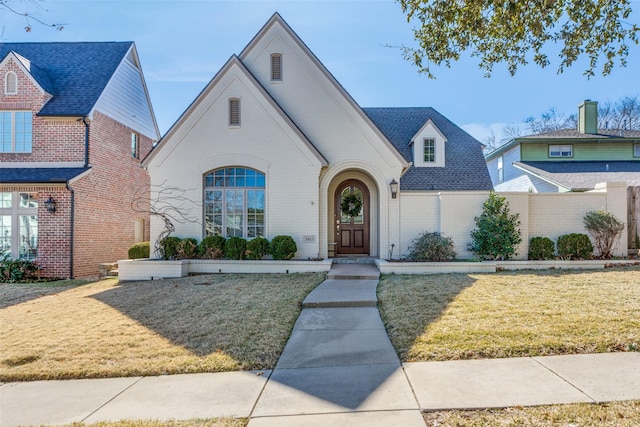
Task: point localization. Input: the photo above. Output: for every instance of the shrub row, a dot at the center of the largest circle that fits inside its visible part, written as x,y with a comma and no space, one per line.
217,247
570,246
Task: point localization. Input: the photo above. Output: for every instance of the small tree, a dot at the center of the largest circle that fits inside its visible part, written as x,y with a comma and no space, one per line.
605,229
498,232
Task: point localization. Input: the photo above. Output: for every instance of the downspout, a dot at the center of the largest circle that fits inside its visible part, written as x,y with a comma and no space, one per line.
72,220
86,142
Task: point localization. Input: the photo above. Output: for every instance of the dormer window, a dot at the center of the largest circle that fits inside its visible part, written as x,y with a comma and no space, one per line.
234,112
10,83
429,150
429,146
276,67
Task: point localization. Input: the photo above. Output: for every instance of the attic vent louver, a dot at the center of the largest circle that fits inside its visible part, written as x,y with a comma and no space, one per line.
276,67
234,112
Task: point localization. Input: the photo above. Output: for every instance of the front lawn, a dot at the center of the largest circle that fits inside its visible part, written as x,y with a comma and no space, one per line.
209,323
509,314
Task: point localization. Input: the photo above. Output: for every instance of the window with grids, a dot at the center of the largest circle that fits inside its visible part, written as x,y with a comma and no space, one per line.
15,131
561,151
19,225
429,150
135,145
234,112
276,67
234,203
10,83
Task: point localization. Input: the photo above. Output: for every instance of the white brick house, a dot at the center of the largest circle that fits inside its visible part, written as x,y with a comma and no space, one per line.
274,143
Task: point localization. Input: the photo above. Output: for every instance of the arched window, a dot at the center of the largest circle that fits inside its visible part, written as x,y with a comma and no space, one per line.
234,203
11,83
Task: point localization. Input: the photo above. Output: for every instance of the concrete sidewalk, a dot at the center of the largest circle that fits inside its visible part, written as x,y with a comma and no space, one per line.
338,368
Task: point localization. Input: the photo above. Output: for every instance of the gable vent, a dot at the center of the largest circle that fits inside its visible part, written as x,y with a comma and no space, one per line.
276,67
234,112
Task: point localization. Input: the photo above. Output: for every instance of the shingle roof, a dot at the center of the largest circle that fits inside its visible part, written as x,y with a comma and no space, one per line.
465,168
75,73
579,176
575,134
38,175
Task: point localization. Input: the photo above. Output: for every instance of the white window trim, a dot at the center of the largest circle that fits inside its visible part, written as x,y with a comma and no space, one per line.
562,148
429,131
135,145
636,150
500,161
13,130
14,76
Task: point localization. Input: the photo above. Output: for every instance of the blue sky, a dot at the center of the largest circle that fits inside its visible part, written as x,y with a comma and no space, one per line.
182,44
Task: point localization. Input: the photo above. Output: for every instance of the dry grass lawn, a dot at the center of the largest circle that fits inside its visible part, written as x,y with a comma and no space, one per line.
618,414
209,323
508,314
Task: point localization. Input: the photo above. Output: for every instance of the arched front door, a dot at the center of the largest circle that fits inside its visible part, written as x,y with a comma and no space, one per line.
352,224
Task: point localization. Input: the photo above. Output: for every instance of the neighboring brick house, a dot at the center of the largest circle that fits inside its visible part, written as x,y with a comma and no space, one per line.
75,122
567,160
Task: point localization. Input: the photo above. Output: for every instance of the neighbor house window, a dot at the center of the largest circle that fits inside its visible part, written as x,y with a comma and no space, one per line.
234,203
636,150
10,83
276,67
15,131
18,225
561,151
234,112
135,145
500,169
429,150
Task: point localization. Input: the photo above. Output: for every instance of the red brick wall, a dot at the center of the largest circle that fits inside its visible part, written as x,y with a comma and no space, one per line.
105,221
54,237
57,141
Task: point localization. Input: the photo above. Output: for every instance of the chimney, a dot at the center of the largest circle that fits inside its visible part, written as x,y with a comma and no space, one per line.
588,117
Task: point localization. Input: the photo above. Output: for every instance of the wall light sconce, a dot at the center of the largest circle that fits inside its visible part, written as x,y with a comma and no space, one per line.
394,188
50,204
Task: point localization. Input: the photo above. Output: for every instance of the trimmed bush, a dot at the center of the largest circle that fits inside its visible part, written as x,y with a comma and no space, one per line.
187,248
212,247
498,232
605,229
432,247
541,248
575,245
17,270
139,250
283,247
235,248
169,247
257,248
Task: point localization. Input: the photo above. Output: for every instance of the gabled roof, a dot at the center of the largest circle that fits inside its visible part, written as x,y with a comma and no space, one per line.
583,176
570,136
39,175
234,61
465,167
276,19
75,73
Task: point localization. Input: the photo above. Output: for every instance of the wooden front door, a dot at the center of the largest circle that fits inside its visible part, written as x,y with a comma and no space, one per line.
352,230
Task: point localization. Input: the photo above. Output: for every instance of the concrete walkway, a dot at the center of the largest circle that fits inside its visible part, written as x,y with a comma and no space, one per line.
338,368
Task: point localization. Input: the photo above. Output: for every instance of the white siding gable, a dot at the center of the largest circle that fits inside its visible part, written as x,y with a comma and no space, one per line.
429,132
125,99
315,101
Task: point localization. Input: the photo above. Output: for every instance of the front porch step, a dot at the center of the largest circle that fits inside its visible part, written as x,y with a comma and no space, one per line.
354,271
354,260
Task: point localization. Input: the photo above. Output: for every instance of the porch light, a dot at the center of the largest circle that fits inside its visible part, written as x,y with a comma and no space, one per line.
50,204
394,188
